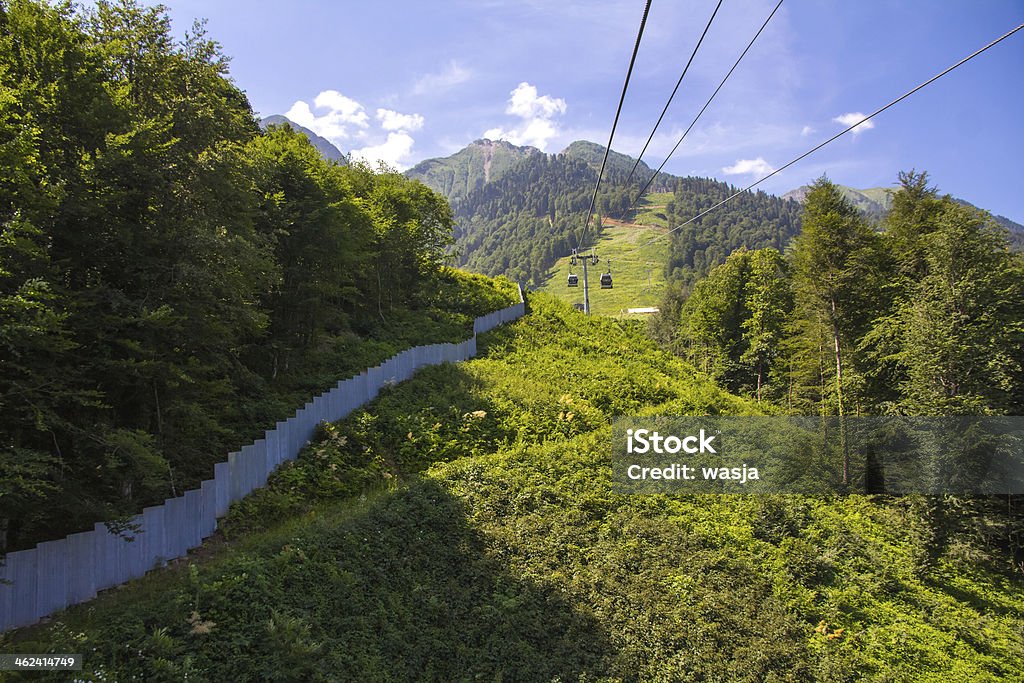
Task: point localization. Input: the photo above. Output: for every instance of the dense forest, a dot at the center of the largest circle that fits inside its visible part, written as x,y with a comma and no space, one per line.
753,220
172,280
519,224
920,318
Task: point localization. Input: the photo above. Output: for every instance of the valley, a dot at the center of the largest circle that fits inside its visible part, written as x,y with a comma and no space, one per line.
218,461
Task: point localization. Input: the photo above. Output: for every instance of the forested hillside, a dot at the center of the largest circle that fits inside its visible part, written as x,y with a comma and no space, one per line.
922,318
753,220
520,223
464,527
172,280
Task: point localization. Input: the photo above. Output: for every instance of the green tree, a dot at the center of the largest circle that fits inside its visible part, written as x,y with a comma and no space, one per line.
835,280
712,320
413,228
768,301
836,260
318,235
962,329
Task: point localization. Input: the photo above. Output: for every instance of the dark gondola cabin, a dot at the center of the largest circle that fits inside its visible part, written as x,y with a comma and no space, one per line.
574,280
606,281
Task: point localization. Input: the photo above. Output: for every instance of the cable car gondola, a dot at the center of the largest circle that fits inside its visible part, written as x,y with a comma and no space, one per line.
606,278
574,280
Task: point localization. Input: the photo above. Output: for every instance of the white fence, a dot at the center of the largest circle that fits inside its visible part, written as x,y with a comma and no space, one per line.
56,574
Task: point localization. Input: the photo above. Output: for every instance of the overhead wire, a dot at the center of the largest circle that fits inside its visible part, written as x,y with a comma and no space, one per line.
703,109
674,91
831,139
618,111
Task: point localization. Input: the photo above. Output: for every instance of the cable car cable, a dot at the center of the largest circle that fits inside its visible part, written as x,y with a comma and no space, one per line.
703,109
831,139
674,90
622,98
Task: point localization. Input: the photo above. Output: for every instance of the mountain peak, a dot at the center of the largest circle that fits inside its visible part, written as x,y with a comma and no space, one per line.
323,145
592,154
503,144
480,162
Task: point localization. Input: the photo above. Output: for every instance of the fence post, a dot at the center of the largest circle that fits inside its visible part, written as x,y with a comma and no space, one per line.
222,478
208,489
23,572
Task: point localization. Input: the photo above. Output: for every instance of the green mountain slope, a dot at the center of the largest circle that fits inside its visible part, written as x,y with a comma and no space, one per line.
638,272
874,202
470,168
521,223
463,527
323,145
754,220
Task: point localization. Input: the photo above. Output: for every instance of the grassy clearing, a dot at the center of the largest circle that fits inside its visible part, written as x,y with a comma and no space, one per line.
651,210
638,276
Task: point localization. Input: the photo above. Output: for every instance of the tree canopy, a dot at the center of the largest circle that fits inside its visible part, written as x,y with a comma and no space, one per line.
163,263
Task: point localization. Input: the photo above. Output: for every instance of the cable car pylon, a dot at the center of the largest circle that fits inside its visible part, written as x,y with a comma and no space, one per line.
574,259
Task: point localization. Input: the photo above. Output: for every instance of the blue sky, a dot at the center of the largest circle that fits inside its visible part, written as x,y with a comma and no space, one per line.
404,81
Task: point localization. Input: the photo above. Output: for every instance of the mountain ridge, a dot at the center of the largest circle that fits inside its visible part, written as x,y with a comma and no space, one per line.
469,169
521,219
323,145
874,202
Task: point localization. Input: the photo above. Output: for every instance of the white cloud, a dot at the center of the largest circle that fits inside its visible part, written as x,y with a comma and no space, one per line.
526,104
807,130
392,120
757,167
537,112
345,108
449,77
852,118
345,122
395,151
335,124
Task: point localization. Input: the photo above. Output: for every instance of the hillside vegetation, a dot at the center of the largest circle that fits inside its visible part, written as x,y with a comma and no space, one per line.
521,222
464,527
172,279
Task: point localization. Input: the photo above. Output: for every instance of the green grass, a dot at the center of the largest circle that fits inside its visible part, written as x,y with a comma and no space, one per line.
630,270
464,527
651,209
